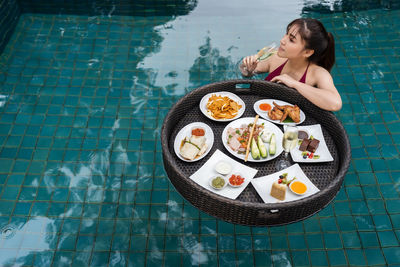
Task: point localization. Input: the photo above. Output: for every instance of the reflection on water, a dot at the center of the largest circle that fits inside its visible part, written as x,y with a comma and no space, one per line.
38,234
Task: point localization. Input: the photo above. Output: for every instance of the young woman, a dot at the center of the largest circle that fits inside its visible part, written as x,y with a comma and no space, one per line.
303,61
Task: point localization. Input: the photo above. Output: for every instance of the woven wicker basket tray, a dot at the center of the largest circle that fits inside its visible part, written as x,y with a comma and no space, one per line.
248,208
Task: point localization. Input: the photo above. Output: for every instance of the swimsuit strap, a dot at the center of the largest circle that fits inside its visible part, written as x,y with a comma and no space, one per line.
276,72
303,79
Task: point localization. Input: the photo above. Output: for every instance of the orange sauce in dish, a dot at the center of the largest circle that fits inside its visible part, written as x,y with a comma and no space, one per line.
198,132
265,107
298,187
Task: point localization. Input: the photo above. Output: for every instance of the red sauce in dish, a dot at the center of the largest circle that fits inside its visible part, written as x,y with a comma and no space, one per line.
198,132
265,107
236,180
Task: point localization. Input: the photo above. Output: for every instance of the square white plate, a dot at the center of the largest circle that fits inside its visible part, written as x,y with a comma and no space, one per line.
203,175
322,150
263,185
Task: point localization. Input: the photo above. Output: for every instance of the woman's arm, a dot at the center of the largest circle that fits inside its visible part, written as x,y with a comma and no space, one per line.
323,95
253,65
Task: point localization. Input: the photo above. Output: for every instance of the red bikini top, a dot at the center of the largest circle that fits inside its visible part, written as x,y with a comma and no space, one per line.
278,71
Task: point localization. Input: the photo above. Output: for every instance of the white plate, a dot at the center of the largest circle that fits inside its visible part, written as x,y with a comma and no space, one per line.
322,150
237,123
263,185
187,132
204,101
264,114
202,176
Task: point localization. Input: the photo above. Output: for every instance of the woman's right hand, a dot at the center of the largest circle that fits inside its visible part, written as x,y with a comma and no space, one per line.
250,63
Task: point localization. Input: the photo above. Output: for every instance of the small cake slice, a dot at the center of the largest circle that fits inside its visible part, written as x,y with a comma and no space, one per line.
278,191
313,145
304,144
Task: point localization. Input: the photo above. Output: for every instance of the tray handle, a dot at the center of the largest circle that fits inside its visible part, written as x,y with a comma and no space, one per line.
243,86
268,214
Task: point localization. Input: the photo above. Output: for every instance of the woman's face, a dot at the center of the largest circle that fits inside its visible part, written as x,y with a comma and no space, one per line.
291,44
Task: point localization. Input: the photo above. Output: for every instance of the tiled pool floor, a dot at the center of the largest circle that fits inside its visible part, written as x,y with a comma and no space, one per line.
82,101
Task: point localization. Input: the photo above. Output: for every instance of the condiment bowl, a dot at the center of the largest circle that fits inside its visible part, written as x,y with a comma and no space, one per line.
215,177
296,186
223,167
236,174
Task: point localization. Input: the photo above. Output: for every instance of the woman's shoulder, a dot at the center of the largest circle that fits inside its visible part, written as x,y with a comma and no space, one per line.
316,73
317,70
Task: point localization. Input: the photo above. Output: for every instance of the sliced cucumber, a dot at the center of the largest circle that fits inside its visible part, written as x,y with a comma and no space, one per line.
262,148
272,145
255,152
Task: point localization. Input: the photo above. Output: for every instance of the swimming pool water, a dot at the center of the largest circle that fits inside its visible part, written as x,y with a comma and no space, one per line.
82,101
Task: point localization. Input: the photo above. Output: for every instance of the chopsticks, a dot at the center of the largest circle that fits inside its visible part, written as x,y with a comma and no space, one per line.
250,137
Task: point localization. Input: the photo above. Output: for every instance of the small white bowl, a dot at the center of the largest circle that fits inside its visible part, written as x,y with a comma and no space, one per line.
223,167
212,178
297,181
229,182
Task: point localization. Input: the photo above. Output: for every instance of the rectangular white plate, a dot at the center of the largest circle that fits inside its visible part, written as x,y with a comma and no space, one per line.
322,150
263,185
204,174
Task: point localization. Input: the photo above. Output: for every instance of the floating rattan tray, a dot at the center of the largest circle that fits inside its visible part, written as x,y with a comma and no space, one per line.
248,208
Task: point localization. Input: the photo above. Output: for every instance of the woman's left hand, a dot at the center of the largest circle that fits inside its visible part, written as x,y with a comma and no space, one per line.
285,79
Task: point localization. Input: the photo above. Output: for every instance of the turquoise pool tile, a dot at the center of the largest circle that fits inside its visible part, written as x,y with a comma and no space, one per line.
356,257
389,191
172,259
297,242
60,194
22,208
392,255
351,179
300,258
99,258
260,242
328,224
354,193
10,193
367,179
318,258
369,239
359,208
351,240
376,206
379,165
393,205
374,256
55,209
39,209
364,222
388,238
332,241
312,225
337,258
15,179
279,242
382,222
342,208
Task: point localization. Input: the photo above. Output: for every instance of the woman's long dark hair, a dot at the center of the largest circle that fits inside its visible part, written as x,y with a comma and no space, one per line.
318,39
